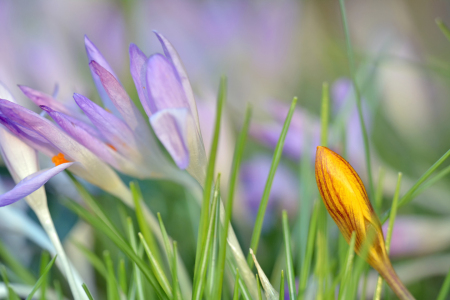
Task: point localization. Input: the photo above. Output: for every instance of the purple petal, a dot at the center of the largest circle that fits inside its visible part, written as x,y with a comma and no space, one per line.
115,131
122,102
164,88
173,56
137,69
30,184
170,127
40,98
98,147
94,54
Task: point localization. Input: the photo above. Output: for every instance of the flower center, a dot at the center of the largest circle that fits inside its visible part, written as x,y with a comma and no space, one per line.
59,159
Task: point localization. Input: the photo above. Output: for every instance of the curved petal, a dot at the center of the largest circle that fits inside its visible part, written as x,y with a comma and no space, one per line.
113,129
91,168
94,54
164,88
123,103
173,56
98,147
40,98
30,184
170,127
137,69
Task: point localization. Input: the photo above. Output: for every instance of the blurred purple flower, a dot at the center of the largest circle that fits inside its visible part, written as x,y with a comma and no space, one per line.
413,236
283,195
304,132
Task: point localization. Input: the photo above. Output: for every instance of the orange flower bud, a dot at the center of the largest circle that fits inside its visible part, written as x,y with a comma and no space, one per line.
347,202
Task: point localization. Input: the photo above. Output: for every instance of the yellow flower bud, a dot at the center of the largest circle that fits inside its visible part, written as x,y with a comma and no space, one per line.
347,202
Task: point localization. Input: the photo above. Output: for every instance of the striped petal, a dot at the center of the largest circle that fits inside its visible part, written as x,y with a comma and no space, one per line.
137,69
94,54
170,127
30,184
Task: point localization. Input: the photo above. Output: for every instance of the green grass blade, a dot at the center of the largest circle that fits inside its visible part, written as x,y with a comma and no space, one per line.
199,281
136,271
58,289
175,286
45,258
288,254
237,157
443,28
11,294
41,278
348,266
408,197
213,256
112,288
143,225
431,181
204,215
282,286
309,252
123,276
259,287
325,114
445,288
157,268
167,246
88,293
93,259
357,96
236,287
392,216
265,198
16,266
98,224
242,287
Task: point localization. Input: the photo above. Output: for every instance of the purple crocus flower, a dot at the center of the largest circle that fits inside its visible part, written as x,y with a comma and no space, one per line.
21,161
168,100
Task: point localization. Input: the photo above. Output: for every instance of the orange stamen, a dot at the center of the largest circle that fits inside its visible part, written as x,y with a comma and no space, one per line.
59,159
111,146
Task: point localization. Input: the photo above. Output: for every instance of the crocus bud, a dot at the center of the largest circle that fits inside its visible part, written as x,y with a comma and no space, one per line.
347,202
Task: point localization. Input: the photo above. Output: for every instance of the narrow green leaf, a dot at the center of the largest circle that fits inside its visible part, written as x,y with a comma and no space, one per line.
88,293
204,215
269,291
112,288
175,285
213,256
199,282
324,114
93,259
26,276
288,254
237,157
157,268
357,96
242,287
348,267
431,181
236,287
309,252
392,216
45,258
443,28
282,286
123,276
136,271
265,198
11,294
143,225
445,288
167,246
41,278
100,225
58,289
259,287
408,197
